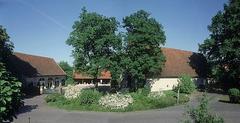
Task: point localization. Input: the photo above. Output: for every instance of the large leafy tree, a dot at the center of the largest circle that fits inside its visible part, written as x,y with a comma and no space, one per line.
143,42
65,66
95,44
6,46
222,48
9,86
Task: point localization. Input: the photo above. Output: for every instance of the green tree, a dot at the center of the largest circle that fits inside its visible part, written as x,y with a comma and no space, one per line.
68,70
143,42
6,46
185,85
65,66
9,86
95,44
9,94
222,47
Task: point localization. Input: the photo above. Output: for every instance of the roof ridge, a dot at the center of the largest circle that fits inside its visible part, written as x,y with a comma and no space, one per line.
33,55
40,64
178,49
59,66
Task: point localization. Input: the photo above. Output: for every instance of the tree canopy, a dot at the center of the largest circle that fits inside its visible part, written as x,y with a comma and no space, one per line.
135,56
222,48
6,46
65,66
68,70
95,42
143,42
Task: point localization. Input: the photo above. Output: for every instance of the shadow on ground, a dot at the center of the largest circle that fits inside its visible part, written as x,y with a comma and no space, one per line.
224,101
27,108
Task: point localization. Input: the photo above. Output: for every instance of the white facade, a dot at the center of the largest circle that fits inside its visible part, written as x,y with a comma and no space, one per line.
46,81
161,84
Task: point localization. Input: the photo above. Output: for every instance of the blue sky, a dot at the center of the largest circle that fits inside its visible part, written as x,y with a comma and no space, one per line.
41,27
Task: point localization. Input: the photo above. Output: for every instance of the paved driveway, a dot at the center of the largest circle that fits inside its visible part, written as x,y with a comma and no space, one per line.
38,112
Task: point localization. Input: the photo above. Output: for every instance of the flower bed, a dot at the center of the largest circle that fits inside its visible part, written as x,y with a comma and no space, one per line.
116,101
92,100
73,91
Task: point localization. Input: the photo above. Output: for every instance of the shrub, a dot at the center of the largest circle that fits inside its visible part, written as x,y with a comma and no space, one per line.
69,81
183,98
89,96
234,95
156,95
201,114
170,93
116,101
162,102
53,98
185,85
155,100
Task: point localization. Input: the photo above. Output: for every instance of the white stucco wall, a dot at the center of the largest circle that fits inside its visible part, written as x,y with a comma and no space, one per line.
161,84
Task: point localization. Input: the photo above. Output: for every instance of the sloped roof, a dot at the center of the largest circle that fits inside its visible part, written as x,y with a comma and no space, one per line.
104,75
180,62
32,65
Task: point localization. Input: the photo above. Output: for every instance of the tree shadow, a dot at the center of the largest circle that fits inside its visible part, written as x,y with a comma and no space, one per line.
26,108
22,69
199,63
225,101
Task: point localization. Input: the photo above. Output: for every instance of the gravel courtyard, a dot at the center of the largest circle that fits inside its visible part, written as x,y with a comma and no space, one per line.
37,111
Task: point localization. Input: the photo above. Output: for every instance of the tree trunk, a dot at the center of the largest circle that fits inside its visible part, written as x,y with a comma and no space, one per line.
95,82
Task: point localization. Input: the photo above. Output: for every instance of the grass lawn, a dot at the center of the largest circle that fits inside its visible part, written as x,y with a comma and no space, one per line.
224,98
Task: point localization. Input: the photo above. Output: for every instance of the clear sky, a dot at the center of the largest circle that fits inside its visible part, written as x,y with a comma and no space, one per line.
41,27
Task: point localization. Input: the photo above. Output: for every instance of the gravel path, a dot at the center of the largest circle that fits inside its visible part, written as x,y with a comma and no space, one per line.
37,110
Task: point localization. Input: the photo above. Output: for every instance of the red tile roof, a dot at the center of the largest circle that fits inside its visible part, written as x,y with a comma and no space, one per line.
104,75
32,65
180,62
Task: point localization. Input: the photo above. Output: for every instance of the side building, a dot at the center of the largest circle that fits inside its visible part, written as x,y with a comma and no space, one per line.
35,71
180,62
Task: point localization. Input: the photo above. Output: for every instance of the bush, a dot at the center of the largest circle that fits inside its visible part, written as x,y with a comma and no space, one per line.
69,81
54,98
162,102
183,98
201,114
234,95
145,90
155,100
156,95
89,96
185,85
